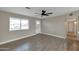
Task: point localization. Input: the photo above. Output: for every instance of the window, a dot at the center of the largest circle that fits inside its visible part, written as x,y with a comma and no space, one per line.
18,24
14,24
24,24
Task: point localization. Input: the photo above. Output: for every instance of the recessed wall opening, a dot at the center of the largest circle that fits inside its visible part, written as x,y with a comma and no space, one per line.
71,27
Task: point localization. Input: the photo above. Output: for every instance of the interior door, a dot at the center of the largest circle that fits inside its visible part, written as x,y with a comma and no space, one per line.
38,26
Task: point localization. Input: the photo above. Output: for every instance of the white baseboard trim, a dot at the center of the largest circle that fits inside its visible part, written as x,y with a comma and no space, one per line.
1,43
54,35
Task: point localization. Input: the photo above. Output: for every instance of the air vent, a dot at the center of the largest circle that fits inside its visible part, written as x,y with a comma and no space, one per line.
27,7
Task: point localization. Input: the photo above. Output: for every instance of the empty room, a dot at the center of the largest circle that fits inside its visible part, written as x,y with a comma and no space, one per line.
39,28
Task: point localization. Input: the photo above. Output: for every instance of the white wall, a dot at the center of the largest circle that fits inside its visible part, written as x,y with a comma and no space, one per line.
6,35
54,26
76,16
38,26
76,13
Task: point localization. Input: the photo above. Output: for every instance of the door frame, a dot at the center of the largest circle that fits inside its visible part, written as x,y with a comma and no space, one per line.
76,26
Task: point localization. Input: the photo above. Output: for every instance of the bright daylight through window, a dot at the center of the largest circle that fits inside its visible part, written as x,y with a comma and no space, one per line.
18,24
24,24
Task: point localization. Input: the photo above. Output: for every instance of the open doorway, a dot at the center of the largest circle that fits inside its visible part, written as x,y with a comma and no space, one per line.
38,26
72,29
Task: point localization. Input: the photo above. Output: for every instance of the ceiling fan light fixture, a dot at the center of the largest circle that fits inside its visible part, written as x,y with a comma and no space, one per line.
44,13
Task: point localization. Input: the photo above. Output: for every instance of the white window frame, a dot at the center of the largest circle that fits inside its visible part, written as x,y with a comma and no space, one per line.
13,19
20,26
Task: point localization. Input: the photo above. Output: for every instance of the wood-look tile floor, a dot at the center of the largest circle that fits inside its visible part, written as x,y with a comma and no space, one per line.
41,42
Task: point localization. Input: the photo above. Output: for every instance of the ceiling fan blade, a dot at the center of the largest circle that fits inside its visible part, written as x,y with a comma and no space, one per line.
43,11
46,15
49,13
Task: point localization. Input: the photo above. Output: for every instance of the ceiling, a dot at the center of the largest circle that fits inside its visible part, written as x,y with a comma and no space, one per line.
31,12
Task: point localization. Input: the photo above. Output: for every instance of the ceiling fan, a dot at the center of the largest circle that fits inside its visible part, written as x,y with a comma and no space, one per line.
44,13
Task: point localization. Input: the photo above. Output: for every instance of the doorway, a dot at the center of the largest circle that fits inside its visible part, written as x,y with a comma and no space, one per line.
72,29
38,26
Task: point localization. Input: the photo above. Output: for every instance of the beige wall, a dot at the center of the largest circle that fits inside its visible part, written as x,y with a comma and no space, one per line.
6,35
77,16
54,26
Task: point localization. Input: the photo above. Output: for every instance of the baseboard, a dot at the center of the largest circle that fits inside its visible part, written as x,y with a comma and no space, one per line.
1,43
54,35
